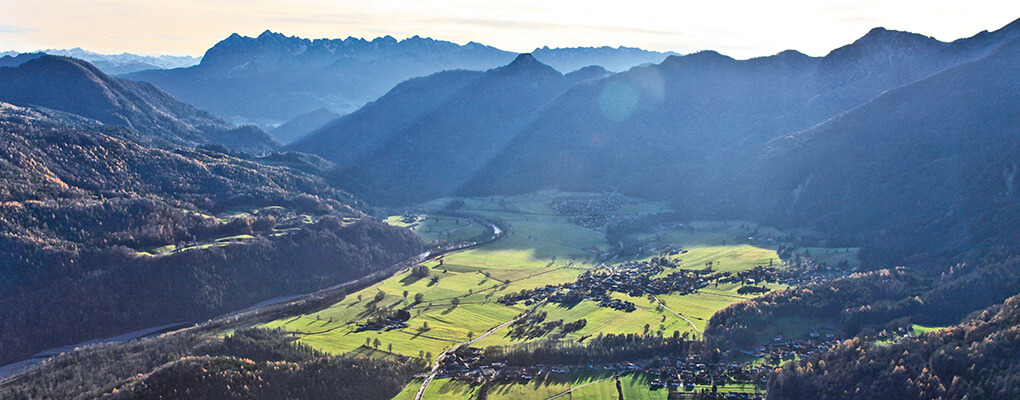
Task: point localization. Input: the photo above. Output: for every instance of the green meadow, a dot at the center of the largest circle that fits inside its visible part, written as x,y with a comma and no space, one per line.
586,385
434,228
918,330
458,298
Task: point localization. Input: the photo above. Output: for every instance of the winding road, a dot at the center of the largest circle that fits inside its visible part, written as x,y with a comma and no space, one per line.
439,360
679,315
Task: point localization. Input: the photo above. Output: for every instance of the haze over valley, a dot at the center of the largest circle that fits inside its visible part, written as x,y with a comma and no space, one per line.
294,218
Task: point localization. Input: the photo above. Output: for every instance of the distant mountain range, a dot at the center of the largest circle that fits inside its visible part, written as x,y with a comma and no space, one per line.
716,136
272,78
112,64
428,136
77,87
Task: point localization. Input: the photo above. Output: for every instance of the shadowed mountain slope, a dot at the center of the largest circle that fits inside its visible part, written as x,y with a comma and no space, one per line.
429,136
77,87
100,235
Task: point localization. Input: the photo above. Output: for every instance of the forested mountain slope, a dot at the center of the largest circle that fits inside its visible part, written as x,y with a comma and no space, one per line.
77,87
974,360
102,235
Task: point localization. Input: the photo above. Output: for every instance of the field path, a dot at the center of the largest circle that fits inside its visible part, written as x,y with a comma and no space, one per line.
435,366
586,384
678,314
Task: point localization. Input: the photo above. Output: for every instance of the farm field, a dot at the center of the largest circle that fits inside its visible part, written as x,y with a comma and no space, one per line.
635,386
457,300
434,228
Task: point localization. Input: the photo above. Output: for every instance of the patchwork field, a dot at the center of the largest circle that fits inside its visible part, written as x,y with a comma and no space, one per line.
586,385
456,301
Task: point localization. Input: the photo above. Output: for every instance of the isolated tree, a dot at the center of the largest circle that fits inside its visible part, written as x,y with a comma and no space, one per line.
470,335
376,343
405,294
420,271
389,348
380,295
418,297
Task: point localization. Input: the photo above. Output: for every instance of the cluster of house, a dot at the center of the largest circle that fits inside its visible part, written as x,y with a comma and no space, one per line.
465,364
762,240
388,323
894,334
682,374
617,304
753,276
809,272
674,225
589,213
635,279
529,297
640,278
781,349
671,250
685,374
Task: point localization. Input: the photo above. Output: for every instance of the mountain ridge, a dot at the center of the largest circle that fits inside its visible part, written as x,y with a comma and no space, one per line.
78,87
238,73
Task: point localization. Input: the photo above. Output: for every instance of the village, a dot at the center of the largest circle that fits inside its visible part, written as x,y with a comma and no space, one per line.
781,350
639,279
688,377
683,377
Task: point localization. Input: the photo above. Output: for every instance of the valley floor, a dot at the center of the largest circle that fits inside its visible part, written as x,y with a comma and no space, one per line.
458,298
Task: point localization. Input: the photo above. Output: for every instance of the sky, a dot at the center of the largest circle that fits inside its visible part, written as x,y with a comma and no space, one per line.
741,29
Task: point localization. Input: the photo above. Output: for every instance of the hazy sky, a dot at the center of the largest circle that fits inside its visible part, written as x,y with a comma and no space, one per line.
741,29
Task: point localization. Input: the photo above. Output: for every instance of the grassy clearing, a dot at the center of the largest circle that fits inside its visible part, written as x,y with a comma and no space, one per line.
440,389
833,256
548,385
433,228
732,258
635,386
918,330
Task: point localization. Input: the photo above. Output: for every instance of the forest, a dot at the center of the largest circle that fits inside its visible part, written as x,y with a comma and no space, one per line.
974,360
104,234
248,364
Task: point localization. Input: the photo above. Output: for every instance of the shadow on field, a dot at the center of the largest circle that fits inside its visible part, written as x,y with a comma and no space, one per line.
410,279
575,378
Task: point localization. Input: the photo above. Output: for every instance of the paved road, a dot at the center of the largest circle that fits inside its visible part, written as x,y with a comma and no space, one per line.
435,366
274,308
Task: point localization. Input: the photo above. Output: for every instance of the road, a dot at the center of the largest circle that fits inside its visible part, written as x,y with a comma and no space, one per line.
439,360
278,307
618,374
679,315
